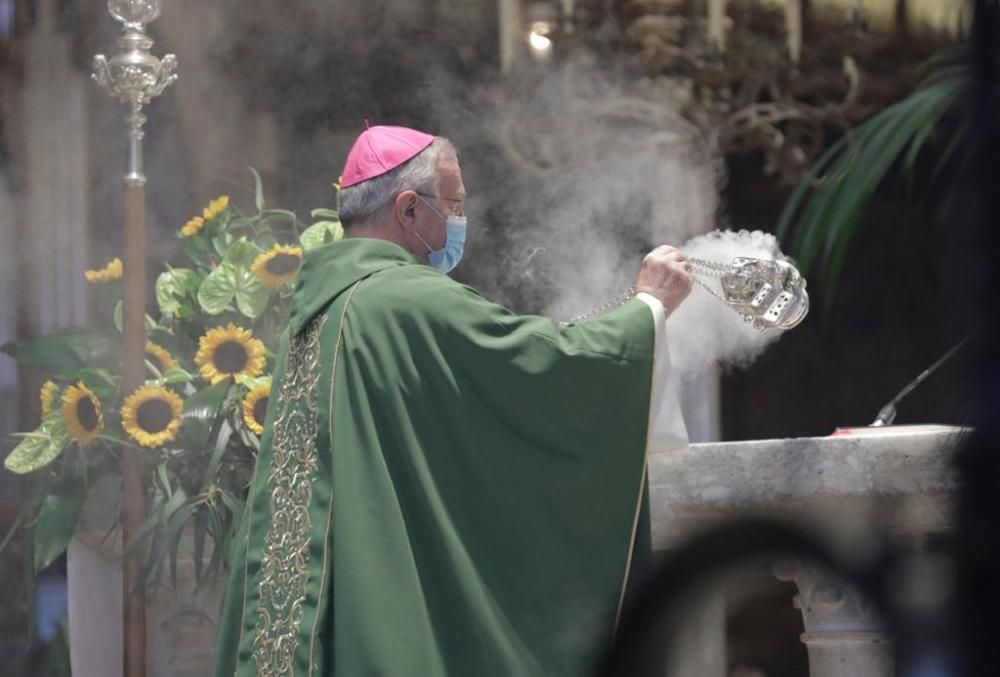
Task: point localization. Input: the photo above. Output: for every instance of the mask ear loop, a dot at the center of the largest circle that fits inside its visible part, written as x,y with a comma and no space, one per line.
433,208
430,250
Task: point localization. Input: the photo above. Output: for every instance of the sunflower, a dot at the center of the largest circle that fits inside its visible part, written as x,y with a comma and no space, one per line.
49,394
278,266
255,406
229,351
81,410
215,207
112,271
192,227
152,415
160,357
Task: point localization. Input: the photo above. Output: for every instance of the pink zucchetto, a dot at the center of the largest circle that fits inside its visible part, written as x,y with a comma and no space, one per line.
381,149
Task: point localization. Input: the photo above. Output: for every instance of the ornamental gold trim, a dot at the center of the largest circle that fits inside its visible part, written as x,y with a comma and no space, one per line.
284,572
323,601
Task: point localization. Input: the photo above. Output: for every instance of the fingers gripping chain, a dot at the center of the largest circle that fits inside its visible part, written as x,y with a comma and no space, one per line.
767,294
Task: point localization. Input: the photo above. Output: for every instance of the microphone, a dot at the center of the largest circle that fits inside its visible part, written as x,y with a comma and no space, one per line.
887,414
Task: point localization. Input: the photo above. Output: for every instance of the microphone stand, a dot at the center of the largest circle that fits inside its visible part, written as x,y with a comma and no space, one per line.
887,414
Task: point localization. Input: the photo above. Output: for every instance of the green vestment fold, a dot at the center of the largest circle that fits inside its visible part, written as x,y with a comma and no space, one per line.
444,488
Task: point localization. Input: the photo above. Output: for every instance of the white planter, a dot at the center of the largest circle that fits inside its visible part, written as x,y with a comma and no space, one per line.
180,624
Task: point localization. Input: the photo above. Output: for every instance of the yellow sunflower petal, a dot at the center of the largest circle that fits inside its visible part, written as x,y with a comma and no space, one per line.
255,407
279,266
49,395
215,207
192,227
160,357
152,415
229,351
81,411
112,271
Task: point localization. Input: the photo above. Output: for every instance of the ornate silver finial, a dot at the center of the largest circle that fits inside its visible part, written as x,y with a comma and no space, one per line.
134,76
134,13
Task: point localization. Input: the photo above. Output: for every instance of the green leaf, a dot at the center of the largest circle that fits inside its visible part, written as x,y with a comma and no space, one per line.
116,318
200,529
241,253
923,109
174,287
832,197
320,233
252,383
56,522
258,190
164,477
173,504
201,411
102,382
324,213
251,296
225,432
196,248
279,214
220,543
234,504
218,289
66,350
174,531
176,375
39,448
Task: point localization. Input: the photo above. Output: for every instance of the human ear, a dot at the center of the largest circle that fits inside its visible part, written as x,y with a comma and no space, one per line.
404,209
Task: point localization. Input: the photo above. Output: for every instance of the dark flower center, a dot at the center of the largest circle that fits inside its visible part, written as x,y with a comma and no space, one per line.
283,264
153,416
86,414
230,357
260,410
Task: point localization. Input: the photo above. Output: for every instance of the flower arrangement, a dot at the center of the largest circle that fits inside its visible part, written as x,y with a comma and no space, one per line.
197,419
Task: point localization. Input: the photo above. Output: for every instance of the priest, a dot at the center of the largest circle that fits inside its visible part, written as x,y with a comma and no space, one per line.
444,487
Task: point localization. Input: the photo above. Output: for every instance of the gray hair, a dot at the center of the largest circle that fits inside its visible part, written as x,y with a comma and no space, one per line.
357,205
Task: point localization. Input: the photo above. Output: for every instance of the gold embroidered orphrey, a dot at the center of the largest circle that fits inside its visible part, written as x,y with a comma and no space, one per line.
294,463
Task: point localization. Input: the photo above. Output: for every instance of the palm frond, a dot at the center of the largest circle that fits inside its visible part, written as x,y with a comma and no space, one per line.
828,203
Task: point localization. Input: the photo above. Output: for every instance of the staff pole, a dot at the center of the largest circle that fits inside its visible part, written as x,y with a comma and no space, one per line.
134,77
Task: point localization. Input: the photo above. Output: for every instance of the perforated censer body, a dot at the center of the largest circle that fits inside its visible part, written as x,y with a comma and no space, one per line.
767,294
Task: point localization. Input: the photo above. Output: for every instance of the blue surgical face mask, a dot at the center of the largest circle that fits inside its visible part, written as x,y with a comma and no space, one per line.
446,258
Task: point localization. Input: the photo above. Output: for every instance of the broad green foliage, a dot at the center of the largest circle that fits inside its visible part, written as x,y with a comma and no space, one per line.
39,447
199,451
828,204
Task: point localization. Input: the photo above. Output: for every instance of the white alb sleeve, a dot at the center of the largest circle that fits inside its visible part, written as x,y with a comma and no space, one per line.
666,430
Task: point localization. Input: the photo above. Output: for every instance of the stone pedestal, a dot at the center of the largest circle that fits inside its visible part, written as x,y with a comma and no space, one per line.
894,482
843,633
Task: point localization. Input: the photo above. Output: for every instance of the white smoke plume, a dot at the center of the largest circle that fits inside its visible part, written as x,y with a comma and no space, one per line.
605,169
704,330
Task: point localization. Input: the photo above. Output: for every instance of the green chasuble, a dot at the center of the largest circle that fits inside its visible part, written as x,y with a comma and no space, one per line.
444,488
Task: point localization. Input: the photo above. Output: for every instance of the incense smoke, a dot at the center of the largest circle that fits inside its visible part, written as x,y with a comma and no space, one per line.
704,330
573,175
606,173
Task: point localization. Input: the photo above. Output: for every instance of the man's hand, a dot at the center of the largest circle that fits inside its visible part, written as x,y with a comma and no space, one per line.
665,276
